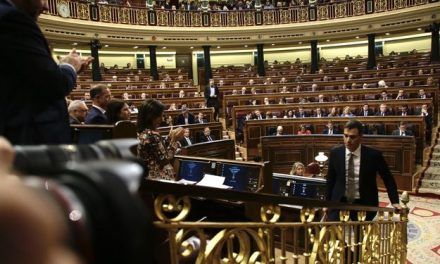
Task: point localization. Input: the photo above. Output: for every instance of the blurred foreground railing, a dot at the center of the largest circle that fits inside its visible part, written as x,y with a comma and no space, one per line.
270,240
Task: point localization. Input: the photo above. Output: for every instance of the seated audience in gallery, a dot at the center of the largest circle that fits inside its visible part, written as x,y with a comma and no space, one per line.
402,130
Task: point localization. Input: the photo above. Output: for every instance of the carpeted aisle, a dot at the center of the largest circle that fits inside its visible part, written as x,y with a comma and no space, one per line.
423,229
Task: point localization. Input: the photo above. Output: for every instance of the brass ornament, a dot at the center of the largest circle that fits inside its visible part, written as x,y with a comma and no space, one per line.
165,205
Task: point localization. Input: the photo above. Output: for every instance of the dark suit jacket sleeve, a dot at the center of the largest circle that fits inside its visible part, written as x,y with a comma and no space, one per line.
387,178
27,49
207,92
331,174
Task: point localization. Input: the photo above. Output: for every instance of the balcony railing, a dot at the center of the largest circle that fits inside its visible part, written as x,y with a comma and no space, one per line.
272,240
168,18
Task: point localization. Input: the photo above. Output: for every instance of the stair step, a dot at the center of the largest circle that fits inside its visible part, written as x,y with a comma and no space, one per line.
435,184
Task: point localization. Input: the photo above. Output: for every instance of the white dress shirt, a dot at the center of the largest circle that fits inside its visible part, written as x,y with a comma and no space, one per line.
211,91
357,166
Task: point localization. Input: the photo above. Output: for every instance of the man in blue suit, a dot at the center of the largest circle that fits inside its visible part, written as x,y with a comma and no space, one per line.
100,96
33,87
352,170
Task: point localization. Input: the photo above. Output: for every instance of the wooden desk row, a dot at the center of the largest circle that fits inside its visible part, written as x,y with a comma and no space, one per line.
196,130
399,152
79,94
291,75
230,100
190,102
238,111
86,134
221,149
140,84
255,129
331,85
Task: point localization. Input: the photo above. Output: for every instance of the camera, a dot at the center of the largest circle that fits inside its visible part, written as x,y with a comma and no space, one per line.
96,191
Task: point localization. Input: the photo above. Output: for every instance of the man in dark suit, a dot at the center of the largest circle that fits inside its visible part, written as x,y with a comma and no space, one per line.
187,140
77,112
206,136
32,105
100,95
383,110
402,130
352,171
185,118
330,129
365,111
211,96
200,119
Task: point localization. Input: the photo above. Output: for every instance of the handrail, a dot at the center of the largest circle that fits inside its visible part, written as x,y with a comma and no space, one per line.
159,187
177,18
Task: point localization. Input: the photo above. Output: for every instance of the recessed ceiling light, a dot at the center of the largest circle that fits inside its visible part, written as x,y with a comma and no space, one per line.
106,45
388,33
191,47
357,37
419,29
245,46
300,43
328,40
164,47
135,47
273,44
74,43
218,47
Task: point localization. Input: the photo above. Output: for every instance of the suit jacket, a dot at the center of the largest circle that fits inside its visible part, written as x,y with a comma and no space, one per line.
335,131
372,162
181,119
397,132
208,92
361,113
197,121
74,121
32,105
203,138
95,116
184,143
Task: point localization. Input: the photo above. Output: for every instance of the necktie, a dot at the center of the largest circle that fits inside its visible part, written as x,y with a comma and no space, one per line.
350,191
402,133
383,114
330,132
365,113
209,138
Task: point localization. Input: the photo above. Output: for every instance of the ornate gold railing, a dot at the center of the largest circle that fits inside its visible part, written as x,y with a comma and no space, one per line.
271,240
166,18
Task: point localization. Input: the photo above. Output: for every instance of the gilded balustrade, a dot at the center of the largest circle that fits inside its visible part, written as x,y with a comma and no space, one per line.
383,240
166,18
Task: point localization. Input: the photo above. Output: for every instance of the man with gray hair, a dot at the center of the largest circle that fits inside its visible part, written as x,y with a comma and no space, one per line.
77,112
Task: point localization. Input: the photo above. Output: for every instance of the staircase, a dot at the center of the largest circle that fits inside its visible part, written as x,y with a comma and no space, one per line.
430,180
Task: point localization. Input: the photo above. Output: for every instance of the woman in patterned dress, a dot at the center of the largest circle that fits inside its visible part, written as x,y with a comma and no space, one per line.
156,151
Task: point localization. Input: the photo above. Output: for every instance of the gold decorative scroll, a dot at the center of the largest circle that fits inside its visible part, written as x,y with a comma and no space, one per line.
380,6
124,15
341,10
269,17
232,19
216,19
83,11
179,19
359,7
104,13
162,18
249,18
322,12
141,16
285,16
371,243
303,14
196,19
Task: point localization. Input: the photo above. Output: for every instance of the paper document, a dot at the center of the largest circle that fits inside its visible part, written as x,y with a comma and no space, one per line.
215,181
186,182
